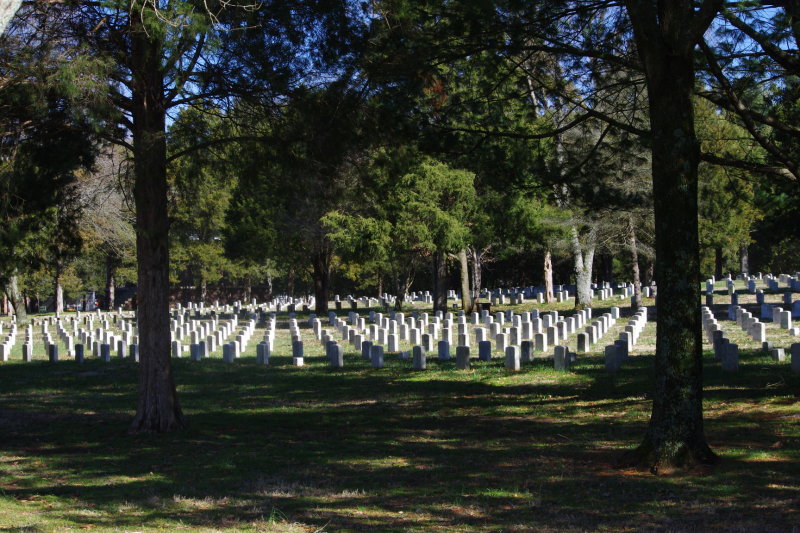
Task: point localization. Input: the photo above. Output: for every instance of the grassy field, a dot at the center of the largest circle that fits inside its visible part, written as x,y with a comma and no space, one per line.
282,448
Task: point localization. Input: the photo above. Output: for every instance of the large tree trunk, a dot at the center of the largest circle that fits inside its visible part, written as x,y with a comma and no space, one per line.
547,271
649,272
248,289
398,290
402,284
477,267
111,270
290,282
466,295
666,39
718,262
744,258
582,265
59,299
637,282
439,281
17,300
322,278
202,289
158,409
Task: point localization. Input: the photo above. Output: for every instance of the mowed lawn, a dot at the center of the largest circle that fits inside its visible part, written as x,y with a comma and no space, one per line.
280,448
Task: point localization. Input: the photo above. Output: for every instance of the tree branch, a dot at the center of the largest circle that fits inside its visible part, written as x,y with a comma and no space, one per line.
746,165
767,120
740,109
790,62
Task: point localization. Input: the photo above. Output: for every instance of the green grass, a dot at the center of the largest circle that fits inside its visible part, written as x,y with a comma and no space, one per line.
280,448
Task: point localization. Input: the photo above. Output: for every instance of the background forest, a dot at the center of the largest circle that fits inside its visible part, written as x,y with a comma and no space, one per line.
346,148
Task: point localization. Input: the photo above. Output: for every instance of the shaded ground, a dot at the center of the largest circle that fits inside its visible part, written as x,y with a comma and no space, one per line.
302,449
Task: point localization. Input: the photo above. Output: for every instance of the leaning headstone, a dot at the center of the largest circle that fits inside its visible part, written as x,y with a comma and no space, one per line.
583,342
263,352
561,358
612,359
622,349
462,357
730,360
227,352
444,351
337,356
484,351
526,351
27,352
512,358
366,350
795,351
540,342
297,350
52,352
759,332
376,355
418,358
105,353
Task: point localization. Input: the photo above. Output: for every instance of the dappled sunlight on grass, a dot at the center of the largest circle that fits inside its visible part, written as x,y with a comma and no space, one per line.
279,448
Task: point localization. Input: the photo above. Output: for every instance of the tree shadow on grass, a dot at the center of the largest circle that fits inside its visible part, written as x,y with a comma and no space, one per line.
390,449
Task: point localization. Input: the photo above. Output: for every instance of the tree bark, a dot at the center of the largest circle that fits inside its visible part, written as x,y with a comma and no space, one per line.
649,273
718,260
477,266
59,299
666,38
547,272
248,288
158,409
637,282
439,281
322,278
466,295
17,300
744,258
202,289
111,270
582,265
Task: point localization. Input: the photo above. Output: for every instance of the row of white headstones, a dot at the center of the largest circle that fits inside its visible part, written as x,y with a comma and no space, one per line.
728,353
528,333
81,336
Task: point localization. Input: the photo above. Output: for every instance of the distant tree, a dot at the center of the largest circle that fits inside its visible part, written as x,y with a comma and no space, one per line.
314,143
106,217
202,183
419,214
728,210
47,132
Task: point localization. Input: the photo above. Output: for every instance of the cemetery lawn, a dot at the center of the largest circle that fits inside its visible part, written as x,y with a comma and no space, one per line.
280,448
